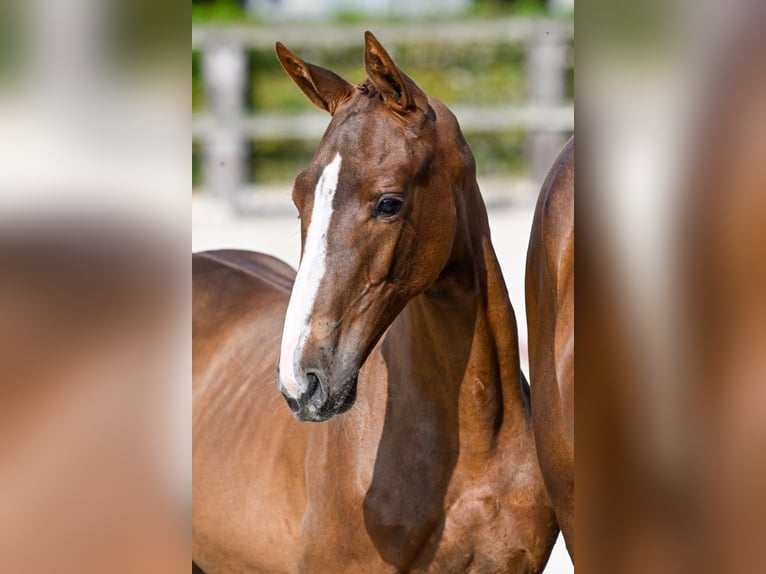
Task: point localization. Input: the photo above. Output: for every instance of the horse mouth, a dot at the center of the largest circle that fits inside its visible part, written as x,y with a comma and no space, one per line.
348,397
336,404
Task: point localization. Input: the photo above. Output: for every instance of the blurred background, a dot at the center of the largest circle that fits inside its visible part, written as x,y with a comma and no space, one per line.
504,67
95,352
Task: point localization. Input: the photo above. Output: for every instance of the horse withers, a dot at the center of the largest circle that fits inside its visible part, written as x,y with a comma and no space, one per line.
398,314
550,316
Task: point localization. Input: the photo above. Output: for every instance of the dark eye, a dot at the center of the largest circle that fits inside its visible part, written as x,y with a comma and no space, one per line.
388,206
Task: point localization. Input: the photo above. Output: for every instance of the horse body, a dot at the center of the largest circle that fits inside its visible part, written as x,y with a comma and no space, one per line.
550,315
433,467
248,491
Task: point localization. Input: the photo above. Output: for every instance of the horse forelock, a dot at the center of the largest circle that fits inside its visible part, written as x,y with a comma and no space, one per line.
368,88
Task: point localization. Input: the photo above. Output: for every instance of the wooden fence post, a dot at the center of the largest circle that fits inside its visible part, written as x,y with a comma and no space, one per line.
546,85
224,72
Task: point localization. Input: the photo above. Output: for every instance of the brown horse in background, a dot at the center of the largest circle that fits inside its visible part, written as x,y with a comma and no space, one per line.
398,314
550,316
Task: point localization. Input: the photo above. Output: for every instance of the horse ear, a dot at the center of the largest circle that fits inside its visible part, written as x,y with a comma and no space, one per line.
397,89
324,88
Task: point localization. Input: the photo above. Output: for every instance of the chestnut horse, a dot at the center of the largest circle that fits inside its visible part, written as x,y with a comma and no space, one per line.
550,316
398,314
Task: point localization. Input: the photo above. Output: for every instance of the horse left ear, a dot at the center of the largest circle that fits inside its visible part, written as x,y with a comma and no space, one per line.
324,88
397,89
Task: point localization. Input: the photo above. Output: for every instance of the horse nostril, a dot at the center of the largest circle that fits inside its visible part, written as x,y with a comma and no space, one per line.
292,403
313,384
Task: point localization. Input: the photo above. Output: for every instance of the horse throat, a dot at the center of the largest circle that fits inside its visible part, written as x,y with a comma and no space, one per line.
453,353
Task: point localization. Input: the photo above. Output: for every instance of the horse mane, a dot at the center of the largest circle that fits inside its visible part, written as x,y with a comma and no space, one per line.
367,88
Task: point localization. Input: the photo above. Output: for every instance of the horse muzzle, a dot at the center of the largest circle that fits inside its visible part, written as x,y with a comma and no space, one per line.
319,400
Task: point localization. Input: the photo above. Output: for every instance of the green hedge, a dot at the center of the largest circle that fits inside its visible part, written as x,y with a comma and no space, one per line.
477,74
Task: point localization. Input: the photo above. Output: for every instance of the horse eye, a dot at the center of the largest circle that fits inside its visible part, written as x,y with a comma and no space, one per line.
388,206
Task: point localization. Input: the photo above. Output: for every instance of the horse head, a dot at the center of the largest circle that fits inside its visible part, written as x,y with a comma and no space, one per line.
378,222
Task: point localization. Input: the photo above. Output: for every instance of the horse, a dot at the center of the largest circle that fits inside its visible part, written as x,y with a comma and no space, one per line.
398,317
549,290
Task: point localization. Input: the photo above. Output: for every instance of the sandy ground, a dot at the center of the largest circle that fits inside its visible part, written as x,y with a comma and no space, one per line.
268,222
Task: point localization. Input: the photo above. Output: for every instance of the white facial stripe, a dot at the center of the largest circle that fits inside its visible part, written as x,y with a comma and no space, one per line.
310,273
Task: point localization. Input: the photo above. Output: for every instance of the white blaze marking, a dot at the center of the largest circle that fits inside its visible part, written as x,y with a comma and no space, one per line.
310,273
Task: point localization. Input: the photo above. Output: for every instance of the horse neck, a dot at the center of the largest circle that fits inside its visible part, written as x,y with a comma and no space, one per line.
460,337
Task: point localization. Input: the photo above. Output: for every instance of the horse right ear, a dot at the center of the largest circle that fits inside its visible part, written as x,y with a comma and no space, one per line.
324,88
397,90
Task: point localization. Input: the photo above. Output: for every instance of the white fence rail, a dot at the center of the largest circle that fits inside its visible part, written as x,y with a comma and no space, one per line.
225,128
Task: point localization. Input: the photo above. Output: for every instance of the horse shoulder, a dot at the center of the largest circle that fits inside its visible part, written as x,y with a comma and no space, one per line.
550,256
557,214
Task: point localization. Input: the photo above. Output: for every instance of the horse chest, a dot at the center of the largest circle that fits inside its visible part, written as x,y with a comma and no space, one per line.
462,540
405,519
454,542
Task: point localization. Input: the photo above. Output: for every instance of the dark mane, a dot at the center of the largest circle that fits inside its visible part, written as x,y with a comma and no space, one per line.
367,88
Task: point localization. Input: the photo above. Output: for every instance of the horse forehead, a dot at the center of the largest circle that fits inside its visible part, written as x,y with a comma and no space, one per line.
376,143
363,120
373,144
